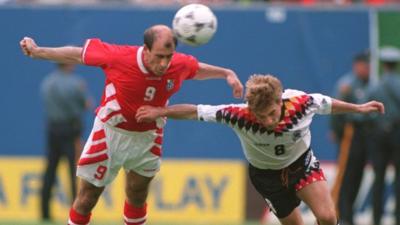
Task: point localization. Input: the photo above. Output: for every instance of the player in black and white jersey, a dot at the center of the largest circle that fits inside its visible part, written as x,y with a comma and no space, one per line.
273,127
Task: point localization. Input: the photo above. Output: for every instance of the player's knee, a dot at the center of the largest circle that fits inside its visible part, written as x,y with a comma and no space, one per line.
133,186
87,199
136,196
85,203
137,188
327,217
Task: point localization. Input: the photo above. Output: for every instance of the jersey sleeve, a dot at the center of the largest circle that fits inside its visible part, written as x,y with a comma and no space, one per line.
97,53
218,113
321,103
192,64
209,113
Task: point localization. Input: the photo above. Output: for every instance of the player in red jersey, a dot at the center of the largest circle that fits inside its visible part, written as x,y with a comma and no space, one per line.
135,76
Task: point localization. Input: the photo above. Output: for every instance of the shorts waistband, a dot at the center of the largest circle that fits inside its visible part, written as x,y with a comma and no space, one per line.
127,132
305,158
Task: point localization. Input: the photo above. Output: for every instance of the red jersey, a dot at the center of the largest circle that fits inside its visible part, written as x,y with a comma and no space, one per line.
130,85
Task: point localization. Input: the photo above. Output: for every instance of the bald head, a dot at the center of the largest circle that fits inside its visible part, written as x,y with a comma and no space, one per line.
159,33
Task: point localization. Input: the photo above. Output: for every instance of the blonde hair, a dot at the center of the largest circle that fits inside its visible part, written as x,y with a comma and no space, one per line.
262,91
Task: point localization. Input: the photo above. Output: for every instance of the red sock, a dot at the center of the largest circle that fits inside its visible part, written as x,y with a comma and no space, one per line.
76,218
134,215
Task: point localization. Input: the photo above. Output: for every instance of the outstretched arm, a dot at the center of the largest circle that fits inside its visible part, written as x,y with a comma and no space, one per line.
207,71
339,106
67,54
180,111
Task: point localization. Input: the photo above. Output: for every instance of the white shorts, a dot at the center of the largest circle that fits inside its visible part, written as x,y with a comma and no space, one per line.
109,148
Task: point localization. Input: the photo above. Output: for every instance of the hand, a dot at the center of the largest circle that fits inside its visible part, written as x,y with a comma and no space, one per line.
236,85
147,114
28,46
372,106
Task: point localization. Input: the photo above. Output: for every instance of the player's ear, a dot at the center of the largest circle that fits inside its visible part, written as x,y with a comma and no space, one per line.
146,48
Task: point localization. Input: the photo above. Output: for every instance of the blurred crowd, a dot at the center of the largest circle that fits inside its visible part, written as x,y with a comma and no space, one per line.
207,2
368,139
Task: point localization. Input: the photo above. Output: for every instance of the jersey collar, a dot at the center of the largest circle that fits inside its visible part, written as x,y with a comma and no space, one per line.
140,63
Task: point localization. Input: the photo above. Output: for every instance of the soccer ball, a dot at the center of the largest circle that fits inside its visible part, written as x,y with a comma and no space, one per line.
194,24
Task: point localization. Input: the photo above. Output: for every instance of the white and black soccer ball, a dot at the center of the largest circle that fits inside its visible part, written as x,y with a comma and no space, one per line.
194,24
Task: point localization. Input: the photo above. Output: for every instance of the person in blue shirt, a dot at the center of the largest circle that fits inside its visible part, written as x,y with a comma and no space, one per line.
65,100
352,133
387,132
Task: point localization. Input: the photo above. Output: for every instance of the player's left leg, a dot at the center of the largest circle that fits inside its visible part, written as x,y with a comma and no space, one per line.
136,189
141,168
317,196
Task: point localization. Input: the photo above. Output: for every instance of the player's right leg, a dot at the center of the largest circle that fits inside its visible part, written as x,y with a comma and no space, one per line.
97,167
85,201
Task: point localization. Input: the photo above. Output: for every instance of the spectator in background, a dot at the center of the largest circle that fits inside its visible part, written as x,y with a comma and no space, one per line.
65,100
337,121
338,127
387,136
352,133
